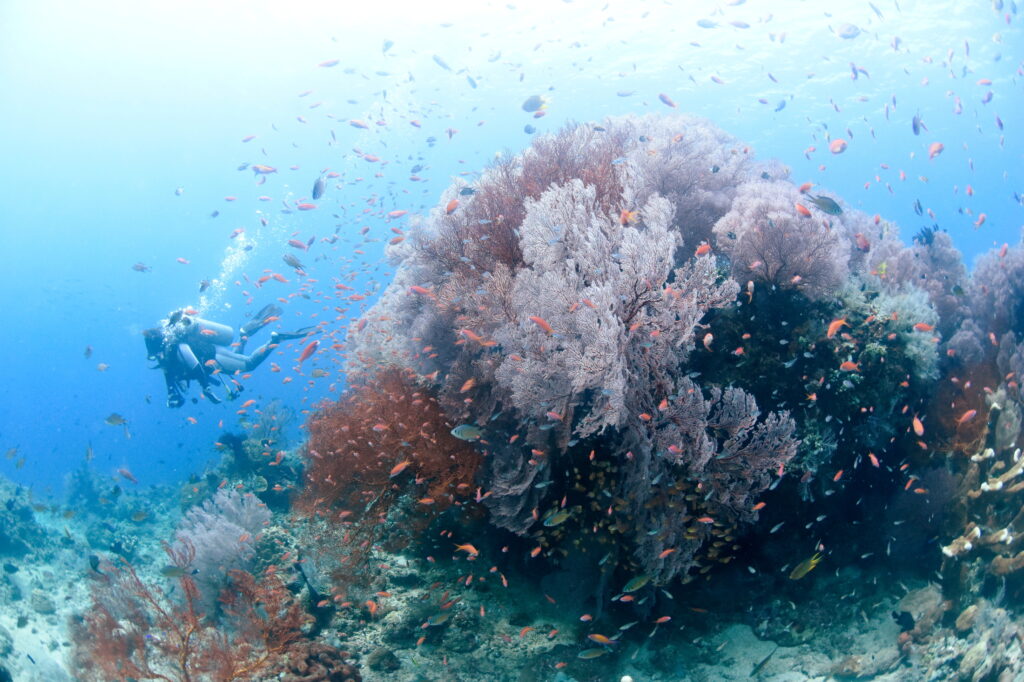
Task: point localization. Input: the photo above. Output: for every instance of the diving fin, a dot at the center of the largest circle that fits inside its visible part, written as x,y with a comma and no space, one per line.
259,320
285,336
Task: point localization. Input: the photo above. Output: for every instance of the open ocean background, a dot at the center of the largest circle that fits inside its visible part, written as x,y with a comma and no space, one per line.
108,108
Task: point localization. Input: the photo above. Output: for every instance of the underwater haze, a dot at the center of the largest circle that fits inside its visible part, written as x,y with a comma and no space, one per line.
110,109
633,306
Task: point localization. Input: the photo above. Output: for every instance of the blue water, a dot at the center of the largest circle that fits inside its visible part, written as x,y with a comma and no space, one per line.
110,107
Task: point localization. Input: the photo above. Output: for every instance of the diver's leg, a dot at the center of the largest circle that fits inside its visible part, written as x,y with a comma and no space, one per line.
237,362
174,396
231,361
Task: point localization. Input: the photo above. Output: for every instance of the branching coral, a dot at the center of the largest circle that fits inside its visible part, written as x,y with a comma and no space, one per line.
383,439
134,631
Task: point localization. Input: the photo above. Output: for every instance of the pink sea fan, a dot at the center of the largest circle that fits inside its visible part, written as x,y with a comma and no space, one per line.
932,264
996,292
768,239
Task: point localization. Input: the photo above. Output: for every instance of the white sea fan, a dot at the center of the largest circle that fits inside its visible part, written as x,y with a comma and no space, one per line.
222,532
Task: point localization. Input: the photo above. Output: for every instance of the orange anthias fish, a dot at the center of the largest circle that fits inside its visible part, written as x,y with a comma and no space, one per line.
452,205
127,475
802,210
918,426
849,367
835,325
542,323
703,249
467,548
308,351
966,417
422,291
399,468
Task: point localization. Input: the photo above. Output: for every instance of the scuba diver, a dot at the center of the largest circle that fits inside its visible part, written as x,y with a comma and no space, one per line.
188,348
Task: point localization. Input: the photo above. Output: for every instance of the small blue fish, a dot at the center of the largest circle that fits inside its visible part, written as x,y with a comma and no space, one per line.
917,125
318,187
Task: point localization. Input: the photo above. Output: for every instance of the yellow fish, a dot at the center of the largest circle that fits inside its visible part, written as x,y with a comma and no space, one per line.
805,567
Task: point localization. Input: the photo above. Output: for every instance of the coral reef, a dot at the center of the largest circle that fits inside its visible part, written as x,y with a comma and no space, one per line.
19,532
992,490
575,296
983,642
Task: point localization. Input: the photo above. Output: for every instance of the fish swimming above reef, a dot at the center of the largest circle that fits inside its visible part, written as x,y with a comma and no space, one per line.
805,567
917,125
467,432
636,583
827,205
292,261
848,31
535,103
117,420
318,187
173,571
558,518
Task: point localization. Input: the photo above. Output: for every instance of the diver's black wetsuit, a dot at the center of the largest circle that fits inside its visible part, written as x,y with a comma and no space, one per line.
188,348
